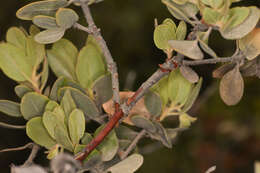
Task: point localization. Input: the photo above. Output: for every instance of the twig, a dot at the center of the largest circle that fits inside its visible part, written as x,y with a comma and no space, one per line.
9,126
233,58
111,65
126,107
83,28
29,145
29,161
133,144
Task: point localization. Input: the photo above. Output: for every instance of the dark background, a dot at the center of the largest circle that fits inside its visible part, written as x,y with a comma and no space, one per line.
228,137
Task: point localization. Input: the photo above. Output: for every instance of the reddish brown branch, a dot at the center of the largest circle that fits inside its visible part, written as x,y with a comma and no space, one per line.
99,138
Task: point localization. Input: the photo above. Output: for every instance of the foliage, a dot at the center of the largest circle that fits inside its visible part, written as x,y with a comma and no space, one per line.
58,115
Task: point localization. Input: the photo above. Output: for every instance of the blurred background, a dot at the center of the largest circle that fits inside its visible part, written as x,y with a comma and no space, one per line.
228,137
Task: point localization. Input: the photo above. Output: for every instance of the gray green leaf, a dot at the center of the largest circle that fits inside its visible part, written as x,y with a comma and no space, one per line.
50,35
76,124
45,22
10,108
66,17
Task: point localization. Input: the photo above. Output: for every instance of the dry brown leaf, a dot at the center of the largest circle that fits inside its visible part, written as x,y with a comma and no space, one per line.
138,109
189,74
232,87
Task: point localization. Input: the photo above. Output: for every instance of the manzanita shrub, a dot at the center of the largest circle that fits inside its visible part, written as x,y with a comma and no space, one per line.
86,88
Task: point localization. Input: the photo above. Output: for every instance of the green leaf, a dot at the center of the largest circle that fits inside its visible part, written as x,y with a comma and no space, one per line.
35,52
232,87
180,2
143,122
66,17
192,96
67,103
51,105
37,132
78,148
47,7
186,120
153,103
89,62
182,12
21,90
82,101
187,48
162,135
243,28
211,16
109,146
181,31
102,94
49,120
63,82
45,22
76,125
178,87
63,58
44,74
33,104
17,37
128,165
62,137
161,88
49,36
162,34
123,132
13,62
10,108
170,23
86,139
235,17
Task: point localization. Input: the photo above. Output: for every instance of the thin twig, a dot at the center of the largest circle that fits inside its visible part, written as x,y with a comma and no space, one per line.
9,126
83,28
29,145
111,65
213,60
29,161
133,144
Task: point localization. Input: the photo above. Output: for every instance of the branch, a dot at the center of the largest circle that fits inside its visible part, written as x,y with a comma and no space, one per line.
111,65
29,161
133,144
126,107
9,126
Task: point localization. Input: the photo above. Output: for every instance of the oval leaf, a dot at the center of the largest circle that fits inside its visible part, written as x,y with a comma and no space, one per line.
63,58
49,35
17,37
109,146
153,103
189,74
10,108
102,94
128,165
89,62
66,17
14,62
33,104
181,31
47,7
76,125
187,48
67,103
162,34
45,22
232,87
82,101
37,132
244,28
143,122
21,90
